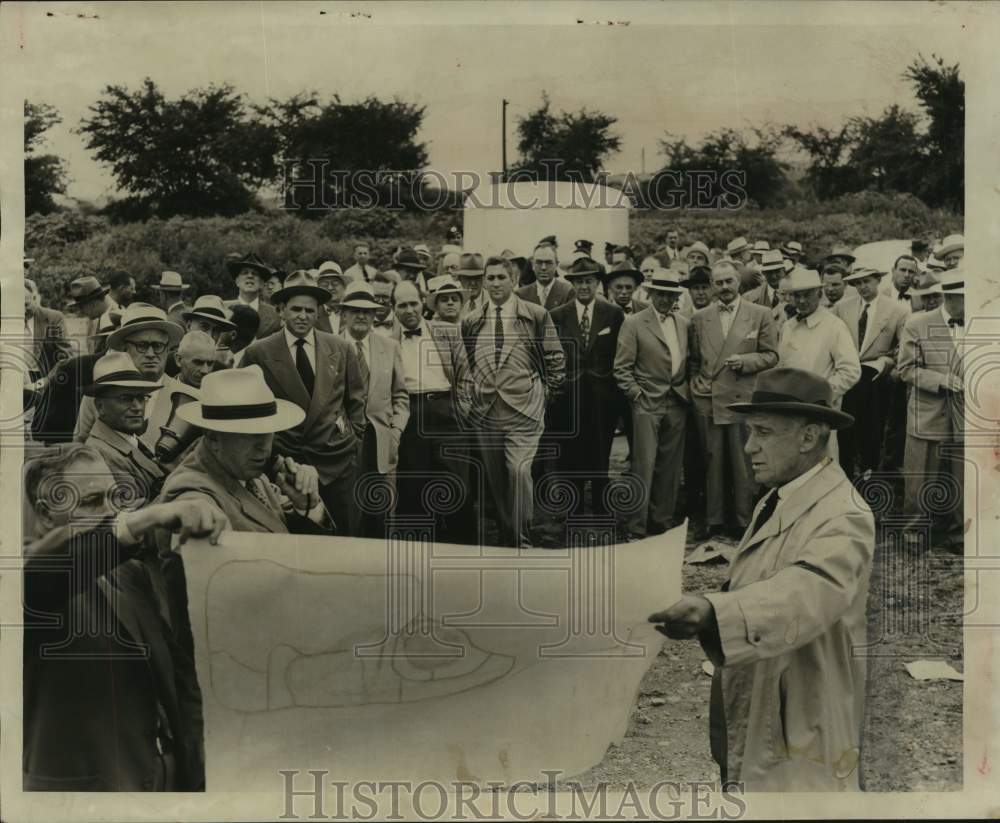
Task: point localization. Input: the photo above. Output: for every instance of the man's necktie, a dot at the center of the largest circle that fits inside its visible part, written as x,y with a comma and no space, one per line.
362,362
303,366
585,325
862,326
770,504
497,338
774,300
254,487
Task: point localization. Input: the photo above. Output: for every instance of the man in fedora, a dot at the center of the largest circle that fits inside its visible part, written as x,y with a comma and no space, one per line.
548,290
361,271
237,464
411,267
792,250
620,284
651,370
249,273
931,364
951,251
470,277
920,249
875,323
445,300
330,277
433,448
120,394
840,253
699,289
320,374
773,268
738,250
387,406
146,336
697,254
785,633
731,342
210,316
583,416
514,369
170,294
90,298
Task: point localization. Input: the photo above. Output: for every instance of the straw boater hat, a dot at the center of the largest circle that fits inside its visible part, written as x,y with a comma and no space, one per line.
862,272
623,269
953,242
839,250
796,393
664,280
84,289
736,245
143,317
211,308
239,401
235,264
760,247
115,370
300,283
772,260
470,264
171,281
792,247
360,296
441,285
953,282
800,279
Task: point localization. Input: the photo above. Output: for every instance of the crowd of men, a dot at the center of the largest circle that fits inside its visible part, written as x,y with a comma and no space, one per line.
458,391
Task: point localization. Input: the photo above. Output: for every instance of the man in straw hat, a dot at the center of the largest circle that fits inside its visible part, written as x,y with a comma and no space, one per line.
238,466
651,371
170,294
470,277
583,417
146,336
319,373
120,393
931,363
951,250
445,300
731,341
875,323
208,316
249,273
330,277
788,690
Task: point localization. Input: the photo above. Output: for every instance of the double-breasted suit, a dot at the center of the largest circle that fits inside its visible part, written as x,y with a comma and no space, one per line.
753,337
583,416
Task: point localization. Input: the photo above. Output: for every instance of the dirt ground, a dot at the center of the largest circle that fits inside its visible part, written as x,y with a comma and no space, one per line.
913,729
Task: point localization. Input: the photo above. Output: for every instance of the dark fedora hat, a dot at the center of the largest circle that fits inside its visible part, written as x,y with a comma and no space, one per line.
795,393
699,276
623,269
583,267
409,259
236,264
84,289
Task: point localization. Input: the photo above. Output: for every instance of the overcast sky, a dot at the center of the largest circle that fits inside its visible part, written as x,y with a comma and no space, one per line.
743,64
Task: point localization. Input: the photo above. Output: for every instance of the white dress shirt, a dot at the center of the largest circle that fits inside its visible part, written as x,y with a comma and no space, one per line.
543,291
310,346
422,366
727,317
253,304
669,328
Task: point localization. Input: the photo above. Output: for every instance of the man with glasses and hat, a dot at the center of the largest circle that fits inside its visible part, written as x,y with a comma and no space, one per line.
788,691
146,336
470,277
548,291
209,316
249,273
170,294
651,370
319,373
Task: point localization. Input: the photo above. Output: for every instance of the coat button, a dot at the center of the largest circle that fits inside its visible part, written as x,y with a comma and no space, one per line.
756,638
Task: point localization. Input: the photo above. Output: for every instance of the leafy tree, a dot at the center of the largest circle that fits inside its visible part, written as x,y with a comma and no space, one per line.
564,146
336,154
44,174
887,151
829,174
205,153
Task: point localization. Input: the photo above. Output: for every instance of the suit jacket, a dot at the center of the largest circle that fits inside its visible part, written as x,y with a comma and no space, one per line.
335,414
559,292
642,362
50,344
269,322
387,403
134,471
58,406
90,706
788,689
330,323
532,362
589,361
761,295
752,335
160,409
448,339
882,335
927,356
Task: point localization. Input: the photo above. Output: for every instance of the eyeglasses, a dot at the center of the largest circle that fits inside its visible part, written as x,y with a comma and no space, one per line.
146,346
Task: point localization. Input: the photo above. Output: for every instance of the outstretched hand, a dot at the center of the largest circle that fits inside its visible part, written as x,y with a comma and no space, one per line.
685,618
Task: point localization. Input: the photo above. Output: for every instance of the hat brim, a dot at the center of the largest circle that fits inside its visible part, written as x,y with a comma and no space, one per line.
181,287
854,277
773,267
286,294
849,257
944,251
332,275
431,300
360,304
569,274
235,268
633,274
171,329
211,318
416,266
287,415
97,295
96,388
470,273
837,419
737,250
802,288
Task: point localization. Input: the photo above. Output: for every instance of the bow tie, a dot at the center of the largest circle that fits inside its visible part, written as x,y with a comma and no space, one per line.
727,308
417,332
904,294
954,321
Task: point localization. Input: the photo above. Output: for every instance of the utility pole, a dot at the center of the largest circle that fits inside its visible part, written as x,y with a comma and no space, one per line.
643,159
503,138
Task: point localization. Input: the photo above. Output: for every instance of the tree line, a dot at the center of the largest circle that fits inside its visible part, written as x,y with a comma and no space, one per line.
212,152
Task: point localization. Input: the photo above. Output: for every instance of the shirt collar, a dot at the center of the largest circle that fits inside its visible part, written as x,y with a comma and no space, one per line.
792,485
815,317
291,338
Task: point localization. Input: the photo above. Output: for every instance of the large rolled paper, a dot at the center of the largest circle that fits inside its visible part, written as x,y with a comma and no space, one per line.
404,660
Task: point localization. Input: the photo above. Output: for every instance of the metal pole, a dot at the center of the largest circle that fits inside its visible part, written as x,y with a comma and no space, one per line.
503,140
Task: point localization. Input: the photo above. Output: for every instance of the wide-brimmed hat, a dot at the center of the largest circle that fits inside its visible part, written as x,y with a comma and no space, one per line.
953,242
360,295
115,370
84,289
409,259
330,269
144,317
470,264
239,401
298,283
583,266
664,280
953,281
171,281
800,279
736,245
699,276
235,264
840,250
933,287
794,392
861,272
792,247
698,246
772,260
623,269
211,308
760,247
441,285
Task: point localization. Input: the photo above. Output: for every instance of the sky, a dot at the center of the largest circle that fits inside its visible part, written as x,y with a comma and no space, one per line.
657,68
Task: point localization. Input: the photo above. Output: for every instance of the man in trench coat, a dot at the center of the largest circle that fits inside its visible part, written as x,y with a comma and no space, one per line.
786,633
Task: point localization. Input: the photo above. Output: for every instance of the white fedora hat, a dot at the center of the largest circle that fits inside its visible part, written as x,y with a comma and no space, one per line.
665,280
115,370
359,295
953,242
800,279
953,281
142,317
211,308
239,401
